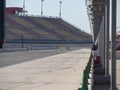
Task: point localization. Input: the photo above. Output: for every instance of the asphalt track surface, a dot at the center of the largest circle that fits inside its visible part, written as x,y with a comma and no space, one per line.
10,58
45,70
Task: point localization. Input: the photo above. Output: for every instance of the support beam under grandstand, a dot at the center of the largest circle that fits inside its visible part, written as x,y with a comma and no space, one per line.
113,49
107,15
102,42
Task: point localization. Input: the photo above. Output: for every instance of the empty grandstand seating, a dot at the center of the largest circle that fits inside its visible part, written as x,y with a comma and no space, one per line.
37,28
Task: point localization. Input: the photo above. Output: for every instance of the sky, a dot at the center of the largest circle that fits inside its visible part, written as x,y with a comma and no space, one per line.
72,11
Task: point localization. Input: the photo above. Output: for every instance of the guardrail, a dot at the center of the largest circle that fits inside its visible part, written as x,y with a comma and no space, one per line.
37,41
87,79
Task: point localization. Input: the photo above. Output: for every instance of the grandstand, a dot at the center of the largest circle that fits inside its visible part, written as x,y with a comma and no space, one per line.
31,29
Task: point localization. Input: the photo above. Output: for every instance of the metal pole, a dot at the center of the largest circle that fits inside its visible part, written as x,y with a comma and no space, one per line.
107,38
2,22
60,8
103,51
101,42
23,7
42,8
113,50
23,4
104,38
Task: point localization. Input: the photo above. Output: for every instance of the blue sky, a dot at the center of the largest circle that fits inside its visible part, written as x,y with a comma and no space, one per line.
73,11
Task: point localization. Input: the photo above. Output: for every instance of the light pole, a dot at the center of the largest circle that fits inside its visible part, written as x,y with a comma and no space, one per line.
24,12
60,8
42,8
23,4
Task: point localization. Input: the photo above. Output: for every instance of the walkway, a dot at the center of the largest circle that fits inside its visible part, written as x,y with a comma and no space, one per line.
57,72
118,78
